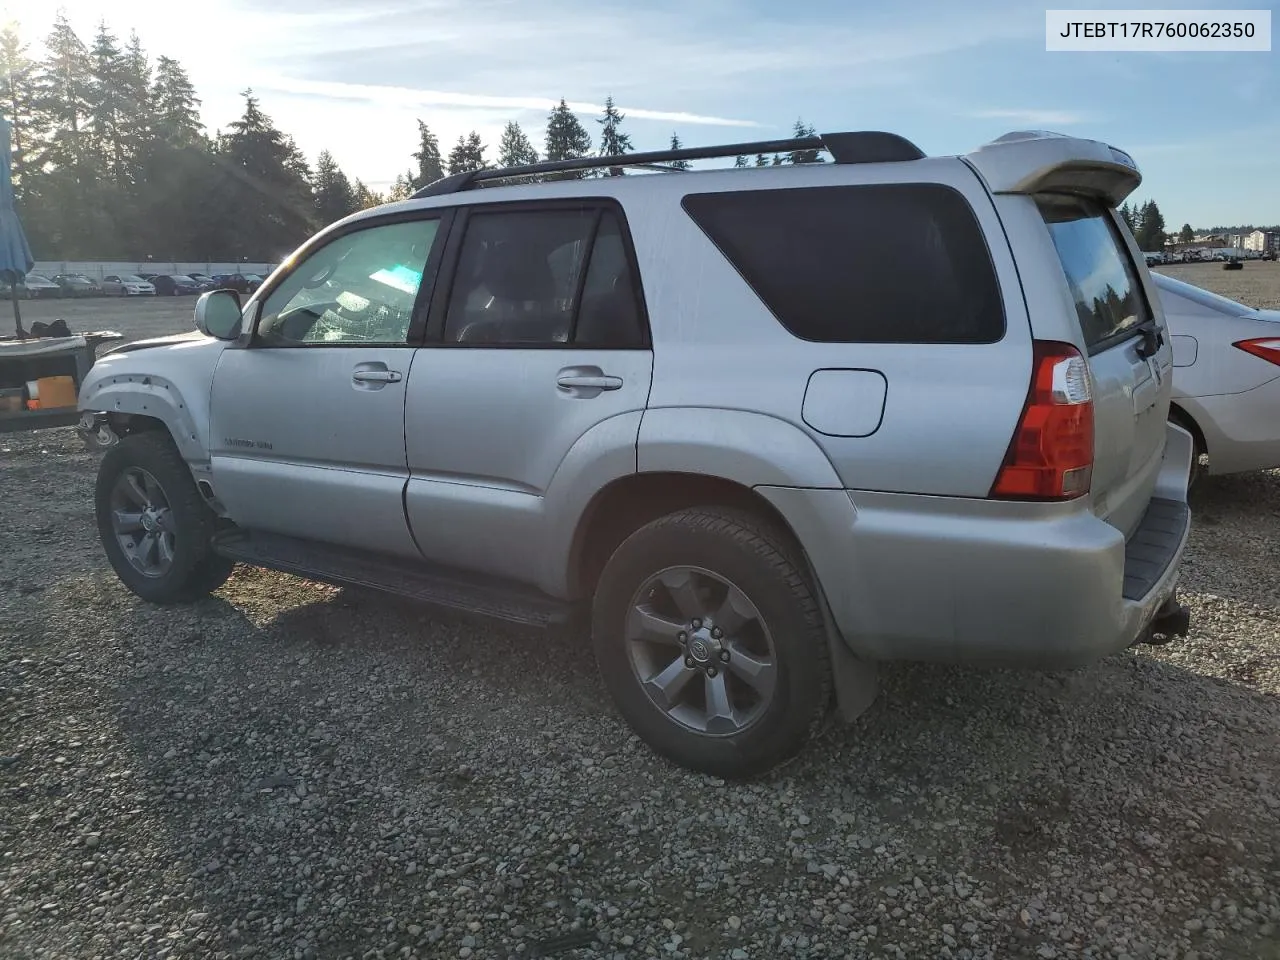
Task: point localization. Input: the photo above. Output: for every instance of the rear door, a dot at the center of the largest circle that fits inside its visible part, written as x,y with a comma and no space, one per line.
543,341
1132,378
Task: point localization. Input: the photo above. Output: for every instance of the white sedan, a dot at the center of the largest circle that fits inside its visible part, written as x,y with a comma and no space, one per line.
1226,379
127,285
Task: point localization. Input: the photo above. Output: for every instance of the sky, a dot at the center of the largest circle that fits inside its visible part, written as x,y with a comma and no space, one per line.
353,78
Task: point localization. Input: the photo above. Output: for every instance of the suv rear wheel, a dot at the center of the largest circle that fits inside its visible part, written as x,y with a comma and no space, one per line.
154,525
711,642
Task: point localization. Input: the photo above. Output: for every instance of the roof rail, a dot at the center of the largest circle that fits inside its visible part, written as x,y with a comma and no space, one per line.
867,146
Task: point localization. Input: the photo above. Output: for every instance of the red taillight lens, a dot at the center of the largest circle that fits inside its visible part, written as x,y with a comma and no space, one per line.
1268,348
1051,454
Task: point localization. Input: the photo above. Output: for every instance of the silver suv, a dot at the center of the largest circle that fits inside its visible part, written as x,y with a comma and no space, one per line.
764,427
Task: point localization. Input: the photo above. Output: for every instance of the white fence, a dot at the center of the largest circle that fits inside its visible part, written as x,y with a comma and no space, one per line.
97,269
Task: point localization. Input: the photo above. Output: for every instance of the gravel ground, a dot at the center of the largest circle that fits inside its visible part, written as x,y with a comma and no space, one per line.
289,770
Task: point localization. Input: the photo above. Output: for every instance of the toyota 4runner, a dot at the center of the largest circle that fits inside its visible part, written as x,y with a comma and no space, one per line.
764,427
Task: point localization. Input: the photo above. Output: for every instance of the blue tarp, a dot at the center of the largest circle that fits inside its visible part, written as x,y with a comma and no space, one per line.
15,254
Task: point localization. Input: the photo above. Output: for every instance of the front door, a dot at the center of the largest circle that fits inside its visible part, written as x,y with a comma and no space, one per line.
307,420
544,346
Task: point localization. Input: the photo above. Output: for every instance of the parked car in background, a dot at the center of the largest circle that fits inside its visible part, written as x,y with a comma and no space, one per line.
175,285
39,286
1226,381
712,414
204,280
127,285
77,285
239,282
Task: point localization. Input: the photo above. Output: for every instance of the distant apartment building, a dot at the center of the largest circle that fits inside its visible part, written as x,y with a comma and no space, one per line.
1262,240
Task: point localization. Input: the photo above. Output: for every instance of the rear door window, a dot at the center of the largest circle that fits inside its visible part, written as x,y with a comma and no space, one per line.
873,263
1104,284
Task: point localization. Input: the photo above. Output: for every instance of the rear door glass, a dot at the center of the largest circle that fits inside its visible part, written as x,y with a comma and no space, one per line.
1109,300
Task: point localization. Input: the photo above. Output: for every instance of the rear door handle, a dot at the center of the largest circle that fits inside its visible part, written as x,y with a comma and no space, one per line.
377,376
587,383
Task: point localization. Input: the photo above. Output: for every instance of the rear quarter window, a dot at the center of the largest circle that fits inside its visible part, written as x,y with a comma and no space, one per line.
1103,281
892,263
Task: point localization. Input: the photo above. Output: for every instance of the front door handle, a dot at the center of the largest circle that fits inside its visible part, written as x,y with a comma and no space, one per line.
377,376
589,383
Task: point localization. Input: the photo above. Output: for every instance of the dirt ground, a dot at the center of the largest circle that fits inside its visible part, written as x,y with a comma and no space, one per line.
287,770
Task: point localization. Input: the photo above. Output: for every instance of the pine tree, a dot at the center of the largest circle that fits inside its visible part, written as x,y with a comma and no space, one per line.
430,167
1186,234
514,149
177,109
137,120
567,139
62,90
402,188
366,198
801,129
106,103
1127,215
467,154
761,161
266,194
334,195
677,145
740,161
1153,224
17,97
613,143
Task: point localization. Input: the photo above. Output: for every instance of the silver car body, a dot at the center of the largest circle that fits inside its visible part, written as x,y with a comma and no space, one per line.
127,285
1228,397
880,457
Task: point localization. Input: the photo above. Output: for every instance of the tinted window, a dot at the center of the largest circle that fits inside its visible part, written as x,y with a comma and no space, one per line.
899,263
544,277
360,288
1108,297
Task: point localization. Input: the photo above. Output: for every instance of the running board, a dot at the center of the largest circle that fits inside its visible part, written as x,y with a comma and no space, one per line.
416,580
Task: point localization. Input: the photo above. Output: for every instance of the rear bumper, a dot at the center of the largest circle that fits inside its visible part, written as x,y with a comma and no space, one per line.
1241,430
989,582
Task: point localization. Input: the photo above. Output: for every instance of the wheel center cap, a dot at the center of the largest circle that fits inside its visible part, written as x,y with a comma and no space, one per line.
148,522
703,648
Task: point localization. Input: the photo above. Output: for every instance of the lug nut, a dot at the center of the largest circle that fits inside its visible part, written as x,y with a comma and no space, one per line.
683,637
688,662
724,655
717,633
697,624
712,671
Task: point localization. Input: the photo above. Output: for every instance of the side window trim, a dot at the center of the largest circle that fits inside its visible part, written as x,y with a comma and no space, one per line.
452,254
418,322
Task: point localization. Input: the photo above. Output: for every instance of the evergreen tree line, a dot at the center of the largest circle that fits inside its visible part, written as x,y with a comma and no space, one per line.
111,160
1148,227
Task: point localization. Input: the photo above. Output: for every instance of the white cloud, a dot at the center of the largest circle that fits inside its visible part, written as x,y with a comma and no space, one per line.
409,97
1033,117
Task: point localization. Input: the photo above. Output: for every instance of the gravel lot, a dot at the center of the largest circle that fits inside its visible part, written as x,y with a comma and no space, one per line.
289,770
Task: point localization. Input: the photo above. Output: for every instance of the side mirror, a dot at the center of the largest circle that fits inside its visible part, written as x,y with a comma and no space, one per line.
218,314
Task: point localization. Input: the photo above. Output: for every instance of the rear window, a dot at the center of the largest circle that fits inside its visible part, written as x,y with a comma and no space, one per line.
1109,299
891,263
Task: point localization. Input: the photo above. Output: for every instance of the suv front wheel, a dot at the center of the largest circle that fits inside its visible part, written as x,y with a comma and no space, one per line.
154,525
710,640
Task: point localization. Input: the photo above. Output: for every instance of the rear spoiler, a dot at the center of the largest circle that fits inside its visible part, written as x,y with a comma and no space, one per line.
1038,161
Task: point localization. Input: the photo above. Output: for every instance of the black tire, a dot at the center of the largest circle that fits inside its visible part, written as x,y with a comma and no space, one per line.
195,571
757,558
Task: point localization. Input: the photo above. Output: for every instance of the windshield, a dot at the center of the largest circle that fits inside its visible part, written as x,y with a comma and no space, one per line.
1109,299
132,278
1201,296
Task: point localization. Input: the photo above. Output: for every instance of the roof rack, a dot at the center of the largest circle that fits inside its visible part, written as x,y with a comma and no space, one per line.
864,146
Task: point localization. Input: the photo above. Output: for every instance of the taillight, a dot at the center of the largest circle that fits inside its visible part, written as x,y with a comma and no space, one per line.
1051,454
1268,348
